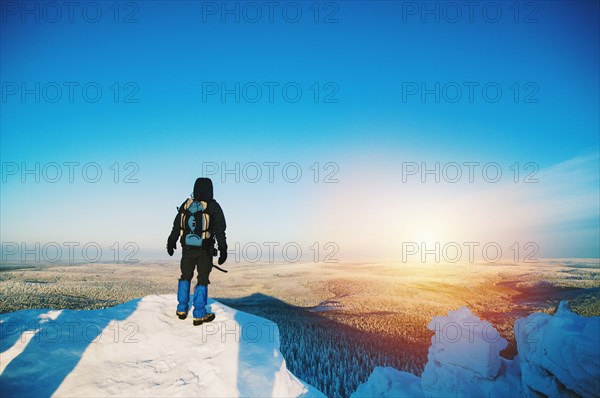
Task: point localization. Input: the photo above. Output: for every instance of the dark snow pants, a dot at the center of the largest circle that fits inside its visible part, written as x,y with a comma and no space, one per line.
200,259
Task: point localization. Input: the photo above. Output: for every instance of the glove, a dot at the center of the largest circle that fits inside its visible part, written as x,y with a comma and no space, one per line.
171,246
222,256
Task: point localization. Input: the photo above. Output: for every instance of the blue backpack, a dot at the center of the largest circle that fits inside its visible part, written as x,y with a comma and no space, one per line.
194,223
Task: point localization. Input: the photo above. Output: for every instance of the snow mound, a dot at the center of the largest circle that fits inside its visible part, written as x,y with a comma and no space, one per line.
464,359
140,348
462,340
389,382
558,356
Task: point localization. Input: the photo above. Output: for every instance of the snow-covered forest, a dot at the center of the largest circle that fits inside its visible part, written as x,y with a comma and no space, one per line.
331,356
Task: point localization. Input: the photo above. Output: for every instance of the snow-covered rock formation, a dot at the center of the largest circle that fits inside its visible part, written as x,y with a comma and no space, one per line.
558,356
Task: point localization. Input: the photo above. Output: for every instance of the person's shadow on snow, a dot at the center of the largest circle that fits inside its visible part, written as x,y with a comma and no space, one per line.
52,347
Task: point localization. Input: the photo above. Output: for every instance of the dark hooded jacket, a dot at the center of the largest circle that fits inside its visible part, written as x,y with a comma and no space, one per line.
203,191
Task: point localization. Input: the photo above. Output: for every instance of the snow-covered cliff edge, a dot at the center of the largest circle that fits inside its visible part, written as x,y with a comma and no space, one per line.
140,348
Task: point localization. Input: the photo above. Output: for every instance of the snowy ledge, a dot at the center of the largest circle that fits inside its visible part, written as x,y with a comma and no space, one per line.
140,348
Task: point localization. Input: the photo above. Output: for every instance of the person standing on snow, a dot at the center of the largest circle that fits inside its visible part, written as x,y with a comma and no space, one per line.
198,222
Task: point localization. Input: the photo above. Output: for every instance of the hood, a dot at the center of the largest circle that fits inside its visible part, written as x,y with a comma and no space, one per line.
203,189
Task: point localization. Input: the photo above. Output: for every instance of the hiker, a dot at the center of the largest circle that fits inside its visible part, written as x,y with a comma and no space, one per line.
198,222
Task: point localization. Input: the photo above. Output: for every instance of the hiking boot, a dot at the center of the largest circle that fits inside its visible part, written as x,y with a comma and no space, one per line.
206,318
181,314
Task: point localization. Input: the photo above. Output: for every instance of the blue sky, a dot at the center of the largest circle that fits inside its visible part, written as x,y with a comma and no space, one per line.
363,61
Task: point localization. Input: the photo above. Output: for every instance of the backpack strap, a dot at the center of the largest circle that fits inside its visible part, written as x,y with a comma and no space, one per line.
183,210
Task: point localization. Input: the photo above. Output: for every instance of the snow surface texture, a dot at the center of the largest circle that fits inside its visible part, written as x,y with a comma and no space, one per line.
558,356
140,348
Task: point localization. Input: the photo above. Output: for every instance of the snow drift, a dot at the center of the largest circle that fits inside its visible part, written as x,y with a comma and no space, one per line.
140,348
558,356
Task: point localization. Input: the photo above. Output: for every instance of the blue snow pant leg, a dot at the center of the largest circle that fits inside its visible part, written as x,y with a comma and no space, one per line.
183,295
200,299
